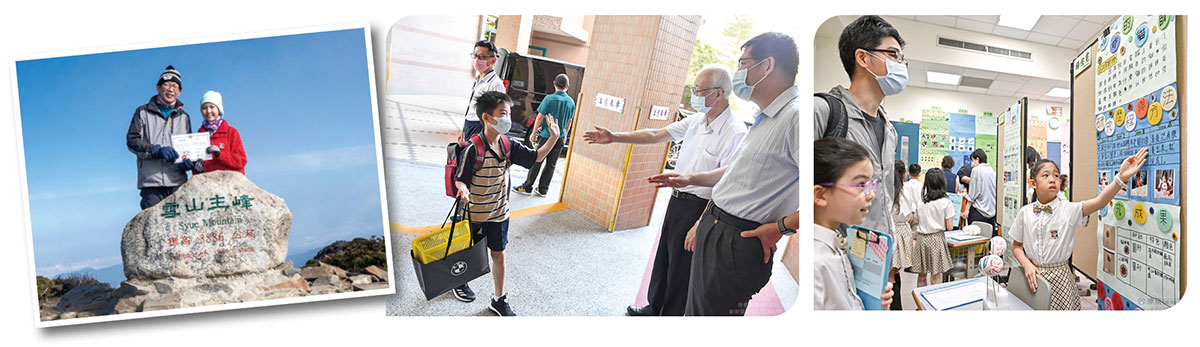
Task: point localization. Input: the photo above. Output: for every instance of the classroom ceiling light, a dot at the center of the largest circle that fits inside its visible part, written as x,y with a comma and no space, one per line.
1023,22
942,78
1059,92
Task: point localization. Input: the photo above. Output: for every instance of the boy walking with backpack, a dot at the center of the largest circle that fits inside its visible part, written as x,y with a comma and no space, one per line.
484,184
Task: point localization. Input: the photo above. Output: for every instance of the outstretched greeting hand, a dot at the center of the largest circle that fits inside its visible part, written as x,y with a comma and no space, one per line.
669,179
1131,165
600,136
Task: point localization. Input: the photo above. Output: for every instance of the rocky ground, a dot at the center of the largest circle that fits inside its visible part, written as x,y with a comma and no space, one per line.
284,281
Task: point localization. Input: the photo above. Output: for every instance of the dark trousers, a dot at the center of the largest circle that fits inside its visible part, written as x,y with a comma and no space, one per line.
975,216
672,264
471,128
152,195
727,269
547,173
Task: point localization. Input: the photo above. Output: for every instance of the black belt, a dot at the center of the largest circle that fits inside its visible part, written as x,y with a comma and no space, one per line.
675,193
720,216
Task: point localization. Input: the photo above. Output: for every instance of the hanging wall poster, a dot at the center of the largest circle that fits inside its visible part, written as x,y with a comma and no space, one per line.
962,139
1139,231
985,134
1136,57
1010,175
1137,106
935,135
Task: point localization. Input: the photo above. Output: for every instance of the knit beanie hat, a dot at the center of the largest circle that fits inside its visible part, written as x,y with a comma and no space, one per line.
170,75
215,99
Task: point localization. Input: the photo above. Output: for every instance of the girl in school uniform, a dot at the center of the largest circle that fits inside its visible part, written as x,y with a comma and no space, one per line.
935,216
842,194
1043,232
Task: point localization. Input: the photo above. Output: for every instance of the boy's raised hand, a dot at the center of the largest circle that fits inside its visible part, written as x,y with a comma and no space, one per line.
1131,165
554,132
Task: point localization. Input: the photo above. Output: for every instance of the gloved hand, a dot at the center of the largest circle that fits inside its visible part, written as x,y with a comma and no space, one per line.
166,153
186,165
214,150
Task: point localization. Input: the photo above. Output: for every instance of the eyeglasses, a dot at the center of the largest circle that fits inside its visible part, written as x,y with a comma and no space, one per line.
481,57
863,188
696,92
170,86
743,61
894,53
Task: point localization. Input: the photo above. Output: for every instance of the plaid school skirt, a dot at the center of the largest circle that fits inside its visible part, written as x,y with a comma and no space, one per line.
930,256
902,254
1063,294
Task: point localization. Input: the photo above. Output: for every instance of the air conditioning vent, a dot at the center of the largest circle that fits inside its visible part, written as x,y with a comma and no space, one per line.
982,48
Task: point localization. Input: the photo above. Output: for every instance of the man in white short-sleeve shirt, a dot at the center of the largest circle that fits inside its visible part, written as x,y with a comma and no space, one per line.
484,62
710,140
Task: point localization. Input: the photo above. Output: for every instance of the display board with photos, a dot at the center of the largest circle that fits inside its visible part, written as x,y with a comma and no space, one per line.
1139,233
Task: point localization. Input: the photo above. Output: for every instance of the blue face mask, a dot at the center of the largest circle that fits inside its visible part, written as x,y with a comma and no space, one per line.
740,89
895,79
503,124
698,104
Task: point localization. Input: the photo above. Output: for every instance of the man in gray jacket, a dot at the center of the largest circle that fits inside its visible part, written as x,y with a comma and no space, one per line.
149,138
870,51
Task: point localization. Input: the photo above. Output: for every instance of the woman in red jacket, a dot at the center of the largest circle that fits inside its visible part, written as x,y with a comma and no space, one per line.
227,152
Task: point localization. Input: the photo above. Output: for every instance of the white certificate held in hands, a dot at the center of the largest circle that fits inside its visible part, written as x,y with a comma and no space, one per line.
191,146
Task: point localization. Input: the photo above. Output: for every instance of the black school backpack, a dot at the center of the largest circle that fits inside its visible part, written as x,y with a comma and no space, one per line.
837,123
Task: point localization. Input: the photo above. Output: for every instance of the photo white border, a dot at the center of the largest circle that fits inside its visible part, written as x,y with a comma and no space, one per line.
24,182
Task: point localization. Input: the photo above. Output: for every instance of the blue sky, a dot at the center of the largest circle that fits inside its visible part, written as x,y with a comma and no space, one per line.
302,104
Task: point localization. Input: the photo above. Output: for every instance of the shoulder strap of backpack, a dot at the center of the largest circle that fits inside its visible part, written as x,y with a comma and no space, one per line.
837,122
480,151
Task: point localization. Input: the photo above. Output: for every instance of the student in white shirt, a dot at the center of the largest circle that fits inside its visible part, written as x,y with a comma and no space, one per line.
936,214
842,195
1043,232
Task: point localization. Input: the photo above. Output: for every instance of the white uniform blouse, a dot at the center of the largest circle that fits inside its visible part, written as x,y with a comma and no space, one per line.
833,285
1048,237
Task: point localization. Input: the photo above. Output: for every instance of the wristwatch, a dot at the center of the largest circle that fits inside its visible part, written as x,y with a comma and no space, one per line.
783,229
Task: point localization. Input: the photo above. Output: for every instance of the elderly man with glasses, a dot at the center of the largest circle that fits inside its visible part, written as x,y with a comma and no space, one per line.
711,138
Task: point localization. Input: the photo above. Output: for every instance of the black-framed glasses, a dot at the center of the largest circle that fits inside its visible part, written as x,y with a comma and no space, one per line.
481,57
742,62
864,188
894,53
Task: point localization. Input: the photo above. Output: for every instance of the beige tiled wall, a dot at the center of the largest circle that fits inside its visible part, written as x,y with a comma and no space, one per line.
643,59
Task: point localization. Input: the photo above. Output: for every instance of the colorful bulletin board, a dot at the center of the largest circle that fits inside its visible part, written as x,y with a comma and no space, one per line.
1138,104
935,137
1011,175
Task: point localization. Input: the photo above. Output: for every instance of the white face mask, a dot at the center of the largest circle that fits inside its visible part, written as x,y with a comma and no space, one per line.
740,89
503,124
895,79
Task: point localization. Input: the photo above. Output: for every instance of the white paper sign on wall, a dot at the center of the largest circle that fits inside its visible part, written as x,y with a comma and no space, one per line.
659,112
611,103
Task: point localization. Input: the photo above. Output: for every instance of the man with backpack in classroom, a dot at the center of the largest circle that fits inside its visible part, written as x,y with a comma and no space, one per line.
871,53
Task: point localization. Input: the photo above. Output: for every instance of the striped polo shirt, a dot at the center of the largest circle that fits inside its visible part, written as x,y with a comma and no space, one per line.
489,184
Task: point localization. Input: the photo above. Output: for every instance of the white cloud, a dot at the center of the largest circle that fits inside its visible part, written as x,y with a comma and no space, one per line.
60,268
328,159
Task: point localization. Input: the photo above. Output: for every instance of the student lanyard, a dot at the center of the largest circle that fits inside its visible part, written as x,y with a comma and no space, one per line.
476,84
